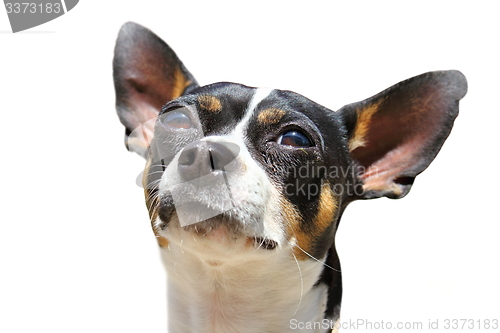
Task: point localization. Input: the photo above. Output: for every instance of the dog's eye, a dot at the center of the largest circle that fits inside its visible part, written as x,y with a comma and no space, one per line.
294,139
177,119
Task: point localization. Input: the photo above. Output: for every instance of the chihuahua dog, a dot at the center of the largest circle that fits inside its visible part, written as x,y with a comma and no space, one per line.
245,186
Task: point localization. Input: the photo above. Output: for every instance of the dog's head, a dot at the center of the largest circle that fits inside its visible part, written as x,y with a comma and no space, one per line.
237,170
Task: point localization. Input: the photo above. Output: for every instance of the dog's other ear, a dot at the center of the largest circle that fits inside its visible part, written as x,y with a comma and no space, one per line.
147,74
394,135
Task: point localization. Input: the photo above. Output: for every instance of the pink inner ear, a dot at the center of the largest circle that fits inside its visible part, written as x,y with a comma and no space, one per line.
140,138
402,119
395,143
381,175
147,75
400,131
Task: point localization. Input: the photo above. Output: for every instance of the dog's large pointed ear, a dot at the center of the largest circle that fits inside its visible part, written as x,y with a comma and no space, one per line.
147,74
394,135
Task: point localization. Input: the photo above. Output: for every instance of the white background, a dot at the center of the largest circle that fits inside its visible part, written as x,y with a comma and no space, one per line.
76,250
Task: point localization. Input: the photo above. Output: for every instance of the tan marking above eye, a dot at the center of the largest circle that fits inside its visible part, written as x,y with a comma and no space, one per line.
271,116
210,103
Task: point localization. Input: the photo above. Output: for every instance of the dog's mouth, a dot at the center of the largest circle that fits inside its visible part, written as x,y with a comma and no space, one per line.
228,228
212,217
222,227
265,243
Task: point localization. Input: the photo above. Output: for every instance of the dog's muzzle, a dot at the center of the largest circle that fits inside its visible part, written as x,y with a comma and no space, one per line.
202,189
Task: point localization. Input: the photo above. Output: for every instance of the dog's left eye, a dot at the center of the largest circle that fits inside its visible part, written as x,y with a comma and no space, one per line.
177,119
294,139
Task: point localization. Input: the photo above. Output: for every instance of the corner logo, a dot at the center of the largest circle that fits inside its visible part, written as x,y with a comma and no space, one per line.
26,15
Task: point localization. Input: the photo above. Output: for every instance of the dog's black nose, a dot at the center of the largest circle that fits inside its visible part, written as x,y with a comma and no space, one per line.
201,158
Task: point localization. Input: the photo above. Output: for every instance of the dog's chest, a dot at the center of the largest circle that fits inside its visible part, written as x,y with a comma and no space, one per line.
252,296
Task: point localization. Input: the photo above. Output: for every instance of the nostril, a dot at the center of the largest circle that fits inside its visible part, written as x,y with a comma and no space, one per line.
202,158
212,162
187,157
217,160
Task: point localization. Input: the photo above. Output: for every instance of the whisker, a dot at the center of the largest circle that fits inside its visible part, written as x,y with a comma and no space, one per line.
155,193
152,173
301,284
325,264
260,244
153,185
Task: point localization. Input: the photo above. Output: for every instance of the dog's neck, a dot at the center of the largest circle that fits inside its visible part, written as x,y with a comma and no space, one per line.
241,295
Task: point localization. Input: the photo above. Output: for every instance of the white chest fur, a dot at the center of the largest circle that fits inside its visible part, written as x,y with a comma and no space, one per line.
241,295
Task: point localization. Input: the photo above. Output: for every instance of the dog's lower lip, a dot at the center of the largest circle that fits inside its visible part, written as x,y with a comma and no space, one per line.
258,242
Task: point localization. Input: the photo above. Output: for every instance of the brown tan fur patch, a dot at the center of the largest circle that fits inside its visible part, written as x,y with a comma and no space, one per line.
271,116
210,103
291,217
327,208
162,241
364,117
152,205
151,198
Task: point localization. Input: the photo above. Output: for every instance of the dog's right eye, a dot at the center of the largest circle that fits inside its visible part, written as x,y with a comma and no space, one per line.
294,139
177,119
